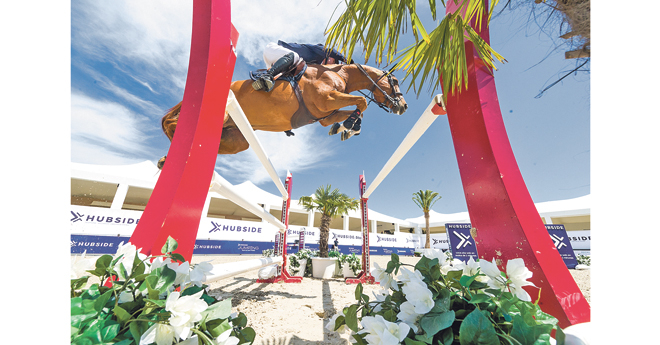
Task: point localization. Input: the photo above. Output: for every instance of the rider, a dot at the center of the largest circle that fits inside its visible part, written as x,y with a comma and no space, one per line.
283,56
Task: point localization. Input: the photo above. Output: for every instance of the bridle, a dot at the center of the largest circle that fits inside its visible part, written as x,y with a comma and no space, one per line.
394,98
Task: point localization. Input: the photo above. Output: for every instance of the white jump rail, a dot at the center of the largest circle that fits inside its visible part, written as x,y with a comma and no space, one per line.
226,189
236,112
222,271
415,133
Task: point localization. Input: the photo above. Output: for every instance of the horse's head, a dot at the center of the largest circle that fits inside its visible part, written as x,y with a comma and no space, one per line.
386,91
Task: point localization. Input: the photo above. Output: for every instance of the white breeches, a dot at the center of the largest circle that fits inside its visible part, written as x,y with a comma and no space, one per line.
273,52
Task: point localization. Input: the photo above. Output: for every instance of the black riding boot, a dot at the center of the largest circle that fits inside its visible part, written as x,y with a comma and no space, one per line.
266,82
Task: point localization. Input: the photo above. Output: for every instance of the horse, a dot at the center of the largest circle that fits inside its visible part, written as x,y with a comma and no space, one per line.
325,91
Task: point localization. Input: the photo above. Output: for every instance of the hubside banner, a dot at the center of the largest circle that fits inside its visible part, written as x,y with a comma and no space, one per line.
563,244
461,242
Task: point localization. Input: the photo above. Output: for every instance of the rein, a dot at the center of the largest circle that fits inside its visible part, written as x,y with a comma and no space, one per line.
394,98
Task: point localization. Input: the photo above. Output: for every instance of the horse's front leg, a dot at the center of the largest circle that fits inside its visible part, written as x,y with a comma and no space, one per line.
351,119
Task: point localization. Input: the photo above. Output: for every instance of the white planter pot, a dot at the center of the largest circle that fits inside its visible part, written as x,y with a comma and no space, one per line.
323,267
301,270
348,272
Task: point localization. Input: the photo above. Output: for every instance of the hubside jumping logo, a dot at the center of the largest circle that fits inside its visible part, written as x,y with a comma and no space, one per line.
79,217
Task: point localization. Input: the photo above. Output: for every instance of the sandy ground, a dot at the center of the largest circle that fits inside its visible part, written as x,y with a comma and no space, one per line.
298,313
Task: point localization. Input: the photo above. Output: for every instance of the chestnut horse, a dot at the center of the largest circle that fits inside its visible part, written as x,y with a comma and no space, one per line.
325,90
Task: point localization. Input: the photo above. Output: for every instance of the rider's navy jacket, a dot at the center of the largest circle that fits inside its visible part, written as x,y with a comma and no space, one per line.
312,53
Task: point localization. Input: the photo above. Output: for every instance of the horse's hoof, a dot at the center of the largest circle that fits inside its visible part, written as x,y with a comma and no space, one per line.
335,129
346,134
161,163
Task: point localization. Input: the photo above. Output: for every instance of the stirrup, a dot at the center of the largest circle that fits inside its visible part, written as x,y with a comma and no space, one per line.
263,84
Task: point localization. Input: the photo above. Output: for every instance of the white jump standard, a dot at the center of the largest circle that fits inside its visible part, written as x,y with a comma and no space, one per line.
435,108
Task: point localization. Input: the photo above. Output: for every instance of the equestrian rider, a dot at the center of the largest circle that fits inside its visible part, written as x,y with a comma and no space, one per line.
282,57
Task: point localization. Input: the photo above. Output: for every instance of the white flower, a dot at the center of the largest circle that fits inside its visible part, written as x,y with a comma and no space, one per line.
435,254
129,252
380,296
333,323
80,266
472,268
518,275
226,338
496,280
383,278
420,296
408,276
451,265
199,272
182,271
159,262
159,333
408,315
382,332
194,340
185,312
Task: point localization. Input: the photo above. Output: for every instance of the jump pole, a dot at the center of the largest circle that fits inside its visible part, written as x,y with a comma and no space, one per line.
505,222
175,206
435,108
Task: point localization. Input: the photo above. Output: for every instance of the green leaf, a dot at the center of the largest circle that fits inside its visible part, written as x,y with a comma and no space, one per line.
121,314
100,302
240,321
479,298
246,335
476,329
442,302
177,257
409,341
110,331
358,291
434,323
170,245
158,302
446,336
219,310
217,327
351,318
78,283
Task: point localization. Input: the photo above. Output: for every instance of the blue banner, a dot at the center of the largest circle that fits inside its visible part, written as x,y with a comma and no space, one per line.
109,245
461,242
562,243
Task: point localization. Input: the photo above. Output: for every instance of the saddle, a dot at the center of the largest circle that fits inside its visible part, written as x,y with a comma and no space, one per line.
302,116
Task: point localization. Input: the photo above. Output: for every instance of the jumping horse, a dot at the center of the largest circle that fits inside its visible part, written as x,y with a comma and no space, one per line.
324,89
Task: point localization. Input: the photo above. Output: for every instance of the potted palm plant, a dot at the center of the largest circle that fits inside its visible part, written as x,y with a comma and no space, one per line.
330,203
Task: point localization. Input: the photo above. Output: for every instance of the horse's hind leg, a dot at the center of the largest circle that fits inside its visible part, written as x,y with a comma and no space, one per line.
232,141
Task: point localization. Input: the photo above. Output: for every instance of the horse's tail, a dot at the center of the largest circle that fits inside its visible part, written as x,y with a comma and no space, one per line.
169,121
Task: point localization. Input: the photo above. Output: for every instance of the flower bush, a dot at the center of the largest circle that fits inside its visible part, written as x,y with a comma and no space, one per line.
150,300
443,301
353,261
302,254
267,253
584,260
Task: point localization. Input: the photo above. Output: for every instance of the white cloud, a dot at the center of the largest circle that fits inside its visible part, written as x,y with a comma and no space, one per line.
260,22
106,133
309,148
157,32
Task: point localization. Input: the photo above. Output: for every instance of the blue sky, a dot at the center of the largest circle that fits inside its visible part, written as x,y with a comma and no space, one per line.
128,66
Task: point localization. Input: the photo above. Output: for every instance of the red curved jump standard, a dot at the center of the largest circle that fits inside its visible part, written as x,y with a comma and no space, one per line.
175,206
506,224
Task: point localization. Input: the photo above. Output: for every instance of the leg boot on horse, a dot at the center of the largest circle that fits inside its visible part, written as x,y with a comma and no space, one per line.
266,81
